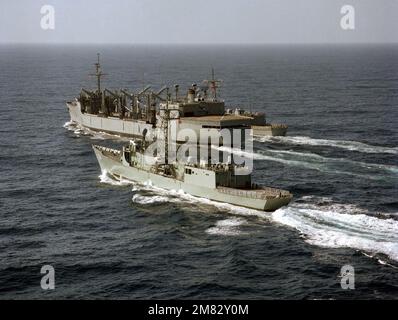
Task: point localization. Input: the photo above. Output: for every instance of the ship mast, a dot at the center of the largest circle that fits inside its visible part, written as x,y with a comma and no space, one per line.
165,123
98,73
166,133
213,84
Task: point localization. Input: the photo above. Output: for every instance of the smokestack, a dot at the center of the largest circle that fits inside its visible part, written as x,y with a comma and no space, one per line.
191,95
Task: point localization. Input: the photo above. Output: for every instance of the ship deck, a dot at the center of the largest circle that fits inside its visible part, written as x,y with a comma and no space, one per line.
224,117
108,152
219,120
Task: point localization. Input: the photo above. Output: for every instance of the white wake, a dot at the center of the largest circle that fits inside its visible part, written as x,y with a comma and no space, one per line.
310,160
227,227
338,226
106,179
158,195
322,222
342,144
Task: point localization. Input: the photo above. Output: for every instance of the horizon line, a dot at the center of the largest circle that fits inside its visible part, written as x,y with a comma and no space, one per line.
196,43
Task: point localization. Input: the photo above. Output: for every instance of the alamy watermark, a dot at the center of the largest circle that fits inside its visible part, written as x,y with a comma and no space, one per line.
47,21
347,21
203,147
48,280
347,274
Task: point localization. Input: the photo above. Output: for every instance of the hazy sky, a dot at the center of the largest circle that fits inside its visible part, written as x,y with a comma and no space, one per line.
200,21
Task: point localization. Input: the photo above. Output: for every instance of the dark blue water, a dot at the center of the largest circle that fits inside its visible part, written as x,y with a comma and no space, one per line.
110,240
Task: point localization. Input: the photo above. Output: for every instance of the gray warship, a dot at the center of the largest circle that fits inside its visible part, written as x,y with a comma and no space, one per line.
222,181
136,115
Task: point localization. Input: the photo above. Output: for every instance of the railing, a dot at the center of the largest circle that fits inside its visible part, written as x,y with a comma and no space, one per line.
109,151
263,193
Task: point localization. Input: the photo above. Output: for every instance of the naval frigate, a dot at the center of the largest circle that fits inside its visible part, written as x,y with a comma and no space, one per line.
225,181
136,115
221,182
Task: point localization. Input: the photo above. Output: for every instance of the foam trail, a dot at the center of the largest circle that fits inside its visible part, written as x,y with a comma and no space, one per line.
141,199
342,144
69,125
224,206
316,157
296,163
327,227
227,227
333,225
176,196
311,161
105,178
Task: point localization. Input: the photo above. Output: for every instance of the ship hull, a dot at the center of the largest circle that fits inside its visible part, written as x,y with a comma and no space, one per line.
136,128
269,130
112,125
120,171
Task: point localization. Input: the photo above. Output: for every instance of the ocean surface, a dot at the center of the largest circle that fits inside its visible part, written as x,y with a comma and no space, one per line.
116,240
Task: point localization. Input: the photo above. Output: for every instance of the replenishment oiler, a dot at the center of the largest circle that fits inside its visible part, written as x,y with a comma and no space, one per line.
136,115
223,182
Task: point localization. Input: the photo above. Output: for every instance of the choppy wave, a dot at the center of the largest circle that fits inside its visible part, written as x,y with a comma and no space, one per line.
322,222
227,227
338,226
342,144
